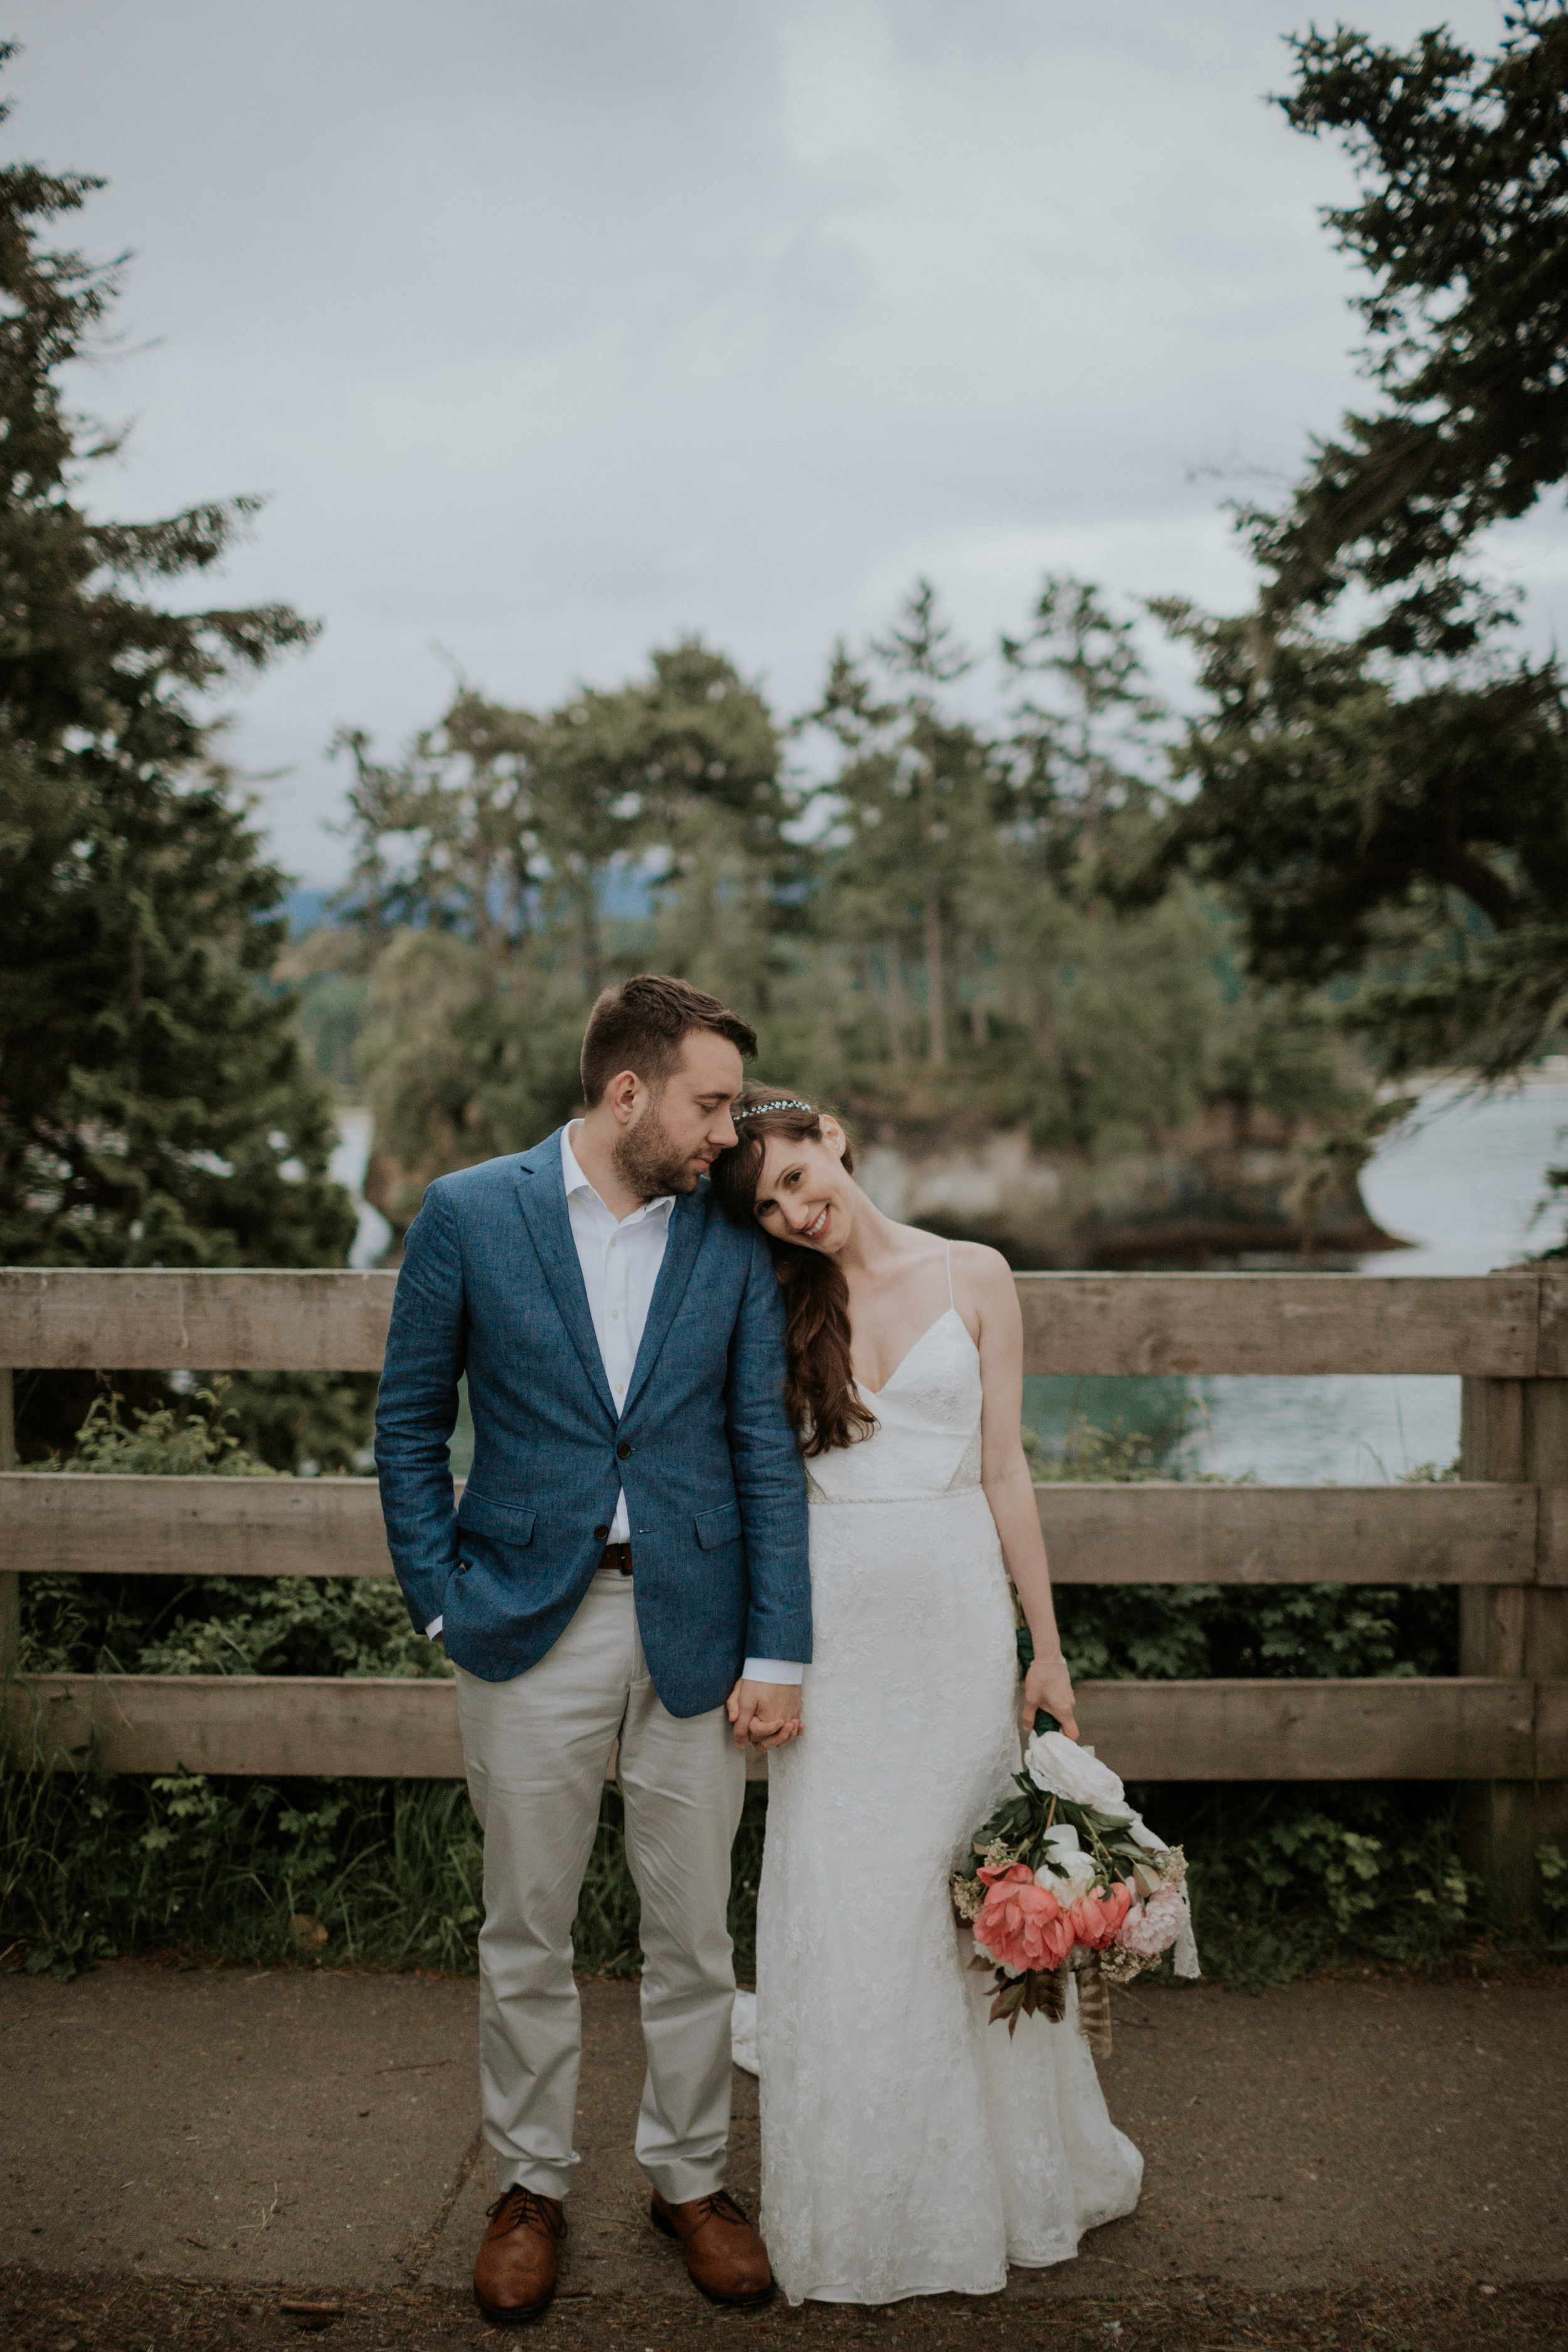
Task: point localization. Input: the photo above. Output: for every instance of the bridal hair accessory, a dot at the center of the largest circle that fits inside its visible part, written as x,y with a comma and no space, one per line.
756,1110
1071,1881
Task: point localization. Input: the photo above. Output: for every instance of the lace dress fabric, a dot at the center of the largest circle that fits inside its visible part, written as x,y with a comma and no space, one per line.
908,2147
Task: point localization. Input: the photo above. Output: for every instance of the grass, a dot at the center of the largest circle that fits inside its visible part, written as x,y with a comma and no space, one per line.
390,1874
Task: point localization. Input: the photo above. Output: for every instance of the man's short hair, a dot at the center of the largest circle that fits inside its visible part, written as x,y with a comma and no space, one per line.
641,1026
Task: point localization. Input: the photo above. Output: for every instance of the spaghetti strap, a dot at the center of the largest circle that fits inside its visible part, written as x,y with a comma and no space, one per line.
949,1275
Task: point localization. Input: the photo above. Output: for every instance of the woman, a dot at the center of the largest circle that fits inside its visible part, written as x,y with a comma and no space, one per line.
908,2147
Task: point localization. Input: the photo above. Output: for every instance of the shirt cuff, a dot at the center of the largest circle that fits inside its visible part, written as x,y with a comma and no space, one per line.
433,1628
772,1670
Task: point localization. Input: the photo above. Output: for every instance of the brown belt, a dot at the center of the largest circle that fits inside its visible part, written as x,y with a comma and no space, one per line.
619,1557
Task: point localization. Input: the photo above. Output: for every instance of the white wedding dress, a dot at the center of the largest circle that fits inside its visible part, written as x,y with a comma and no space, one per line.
908,2147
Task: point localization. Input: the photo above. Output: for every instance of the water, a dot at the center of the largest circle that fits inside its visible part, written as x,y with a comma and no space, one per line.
1461,1181
348,1164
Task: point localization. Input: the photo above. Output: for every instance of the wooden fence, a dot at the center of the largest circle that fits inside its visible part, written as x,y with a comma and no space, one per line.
1501,1534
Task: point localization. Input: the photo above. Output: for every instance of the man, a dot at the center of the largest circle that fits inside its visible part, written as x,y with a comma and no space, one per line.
628,1562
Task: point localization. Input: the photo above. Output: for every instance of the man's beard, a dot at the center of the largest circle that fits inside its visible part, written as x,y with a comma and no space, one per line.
647,1162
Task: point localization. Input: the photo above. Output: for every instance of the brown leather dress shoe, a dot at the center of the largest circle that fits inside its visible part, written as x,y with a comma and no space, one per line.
514,2276
724,2255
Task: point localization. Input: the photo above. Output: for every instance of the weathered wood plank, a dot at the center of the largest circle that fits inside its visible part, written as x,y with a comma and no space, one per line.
1191,1323
1551,1356
1415,1730
1195,1323
162,1320
1147,1534
379,1728
84,1525
1161,1533
1552,1536
1552,1735
1441,1729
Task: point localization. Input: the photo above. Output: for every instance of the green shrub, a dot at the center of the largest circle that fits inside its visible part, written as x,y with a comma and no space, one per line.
1287,1877
214,1624
1552,1867
379,1872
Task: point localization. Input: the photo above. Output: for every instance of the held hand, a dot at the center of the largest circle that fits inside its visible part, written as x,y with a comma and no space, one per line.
765,1715
1049,1684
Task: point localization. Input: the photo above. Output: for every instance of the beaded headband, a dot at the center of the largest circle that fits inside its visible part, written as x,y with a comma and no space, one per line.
756,1110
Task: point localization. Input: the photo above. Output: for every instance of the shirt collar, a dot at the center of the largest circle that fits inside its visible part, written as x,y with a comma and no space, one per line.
578,1185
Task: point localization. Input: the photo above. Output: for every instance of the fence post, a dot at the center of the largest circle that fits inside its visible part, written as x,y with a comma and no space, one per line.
1516,1429
10,1577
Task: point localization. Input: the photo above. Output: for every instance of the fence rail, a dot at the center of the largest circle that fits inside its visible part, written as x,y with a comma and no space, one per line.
1156,1532
1391,1729
1496,1325
1500,1533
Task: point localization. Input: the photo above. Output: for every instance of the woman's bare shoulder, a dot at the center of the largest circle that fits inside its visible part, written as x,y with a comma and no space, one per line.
982,1264
983,1282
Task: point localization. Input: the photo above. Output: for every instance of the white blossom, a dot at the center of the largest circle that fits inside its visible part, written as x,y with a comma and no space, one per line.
1062,1767
1067,1861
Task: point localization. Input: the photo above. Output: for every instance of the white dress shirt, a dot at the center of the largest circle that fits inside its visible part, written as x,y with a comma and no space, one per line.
620,1258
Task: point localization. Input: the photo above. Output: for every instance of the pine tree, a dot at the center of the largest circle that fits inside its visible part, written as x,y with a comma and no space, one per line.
486,863
912,805
1380,795
154,1108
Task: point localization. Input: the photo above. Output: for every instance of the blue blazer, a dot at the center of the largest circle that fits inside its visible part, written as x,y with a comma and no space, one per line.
715,1490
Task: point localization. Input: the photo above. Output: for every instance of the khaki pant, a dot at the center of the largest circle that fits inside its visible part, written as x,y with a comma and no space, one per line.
536,1749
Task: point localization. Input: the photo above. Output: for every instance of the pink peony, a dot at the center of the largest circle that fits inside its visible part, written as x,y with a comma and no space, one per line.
1152,1928
1021,1924
1095,1918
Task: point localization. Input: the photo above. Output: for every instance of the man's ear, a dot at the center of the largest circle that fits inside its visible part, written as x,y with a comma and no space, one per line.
622,1093
833,1135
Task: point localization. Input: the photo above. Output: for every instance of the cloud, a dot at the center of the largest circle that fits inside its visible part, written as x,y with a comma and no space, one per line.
553,327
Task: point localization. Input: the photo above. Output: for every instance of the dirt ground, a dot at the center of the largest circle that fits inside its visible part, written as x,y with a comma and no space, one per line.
189,2152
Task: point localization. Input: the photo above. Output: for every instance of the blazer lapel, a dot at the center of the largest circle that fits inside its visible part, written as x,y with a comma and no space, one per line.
685,1223
541,1193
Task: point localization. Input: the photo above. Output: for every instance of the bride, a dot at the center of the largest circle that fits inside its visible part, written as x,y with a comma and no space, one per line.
908,2147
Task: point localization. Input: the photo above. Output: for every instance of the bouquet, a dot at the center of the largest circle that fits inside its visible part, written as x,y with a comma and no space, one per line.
1071,1881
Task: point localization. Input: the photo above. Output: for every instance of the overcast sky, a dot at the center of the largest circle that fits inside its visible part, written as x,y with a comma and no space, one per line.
553,329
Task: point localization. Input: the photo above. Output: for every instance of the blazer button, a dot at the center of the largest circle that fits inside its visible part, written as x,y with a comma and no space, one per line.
600,1534
622,1452
464,1565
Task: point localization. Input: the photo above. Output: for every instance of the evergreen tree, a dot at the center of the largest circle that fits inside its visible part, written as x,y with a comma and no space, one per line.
154,1105
943,959
1387,799
1462,224
486,866
911,807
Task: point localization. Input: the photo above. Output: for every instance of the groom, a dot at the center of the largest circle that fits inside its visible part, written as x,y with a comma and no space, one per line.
628,1562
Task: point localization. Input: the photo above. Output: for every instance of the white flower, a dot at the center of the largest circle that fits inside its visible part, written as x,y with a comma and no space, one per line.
1063,1769
1067,1862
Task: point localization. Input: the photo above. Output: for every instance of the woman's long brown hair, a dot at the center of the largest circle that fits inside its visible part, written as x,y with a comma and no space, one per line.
820,1394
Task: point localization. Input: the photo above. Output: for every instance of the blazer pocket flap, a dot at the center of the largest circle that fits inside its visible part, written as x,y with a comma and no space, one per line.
507,1521
720,1527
